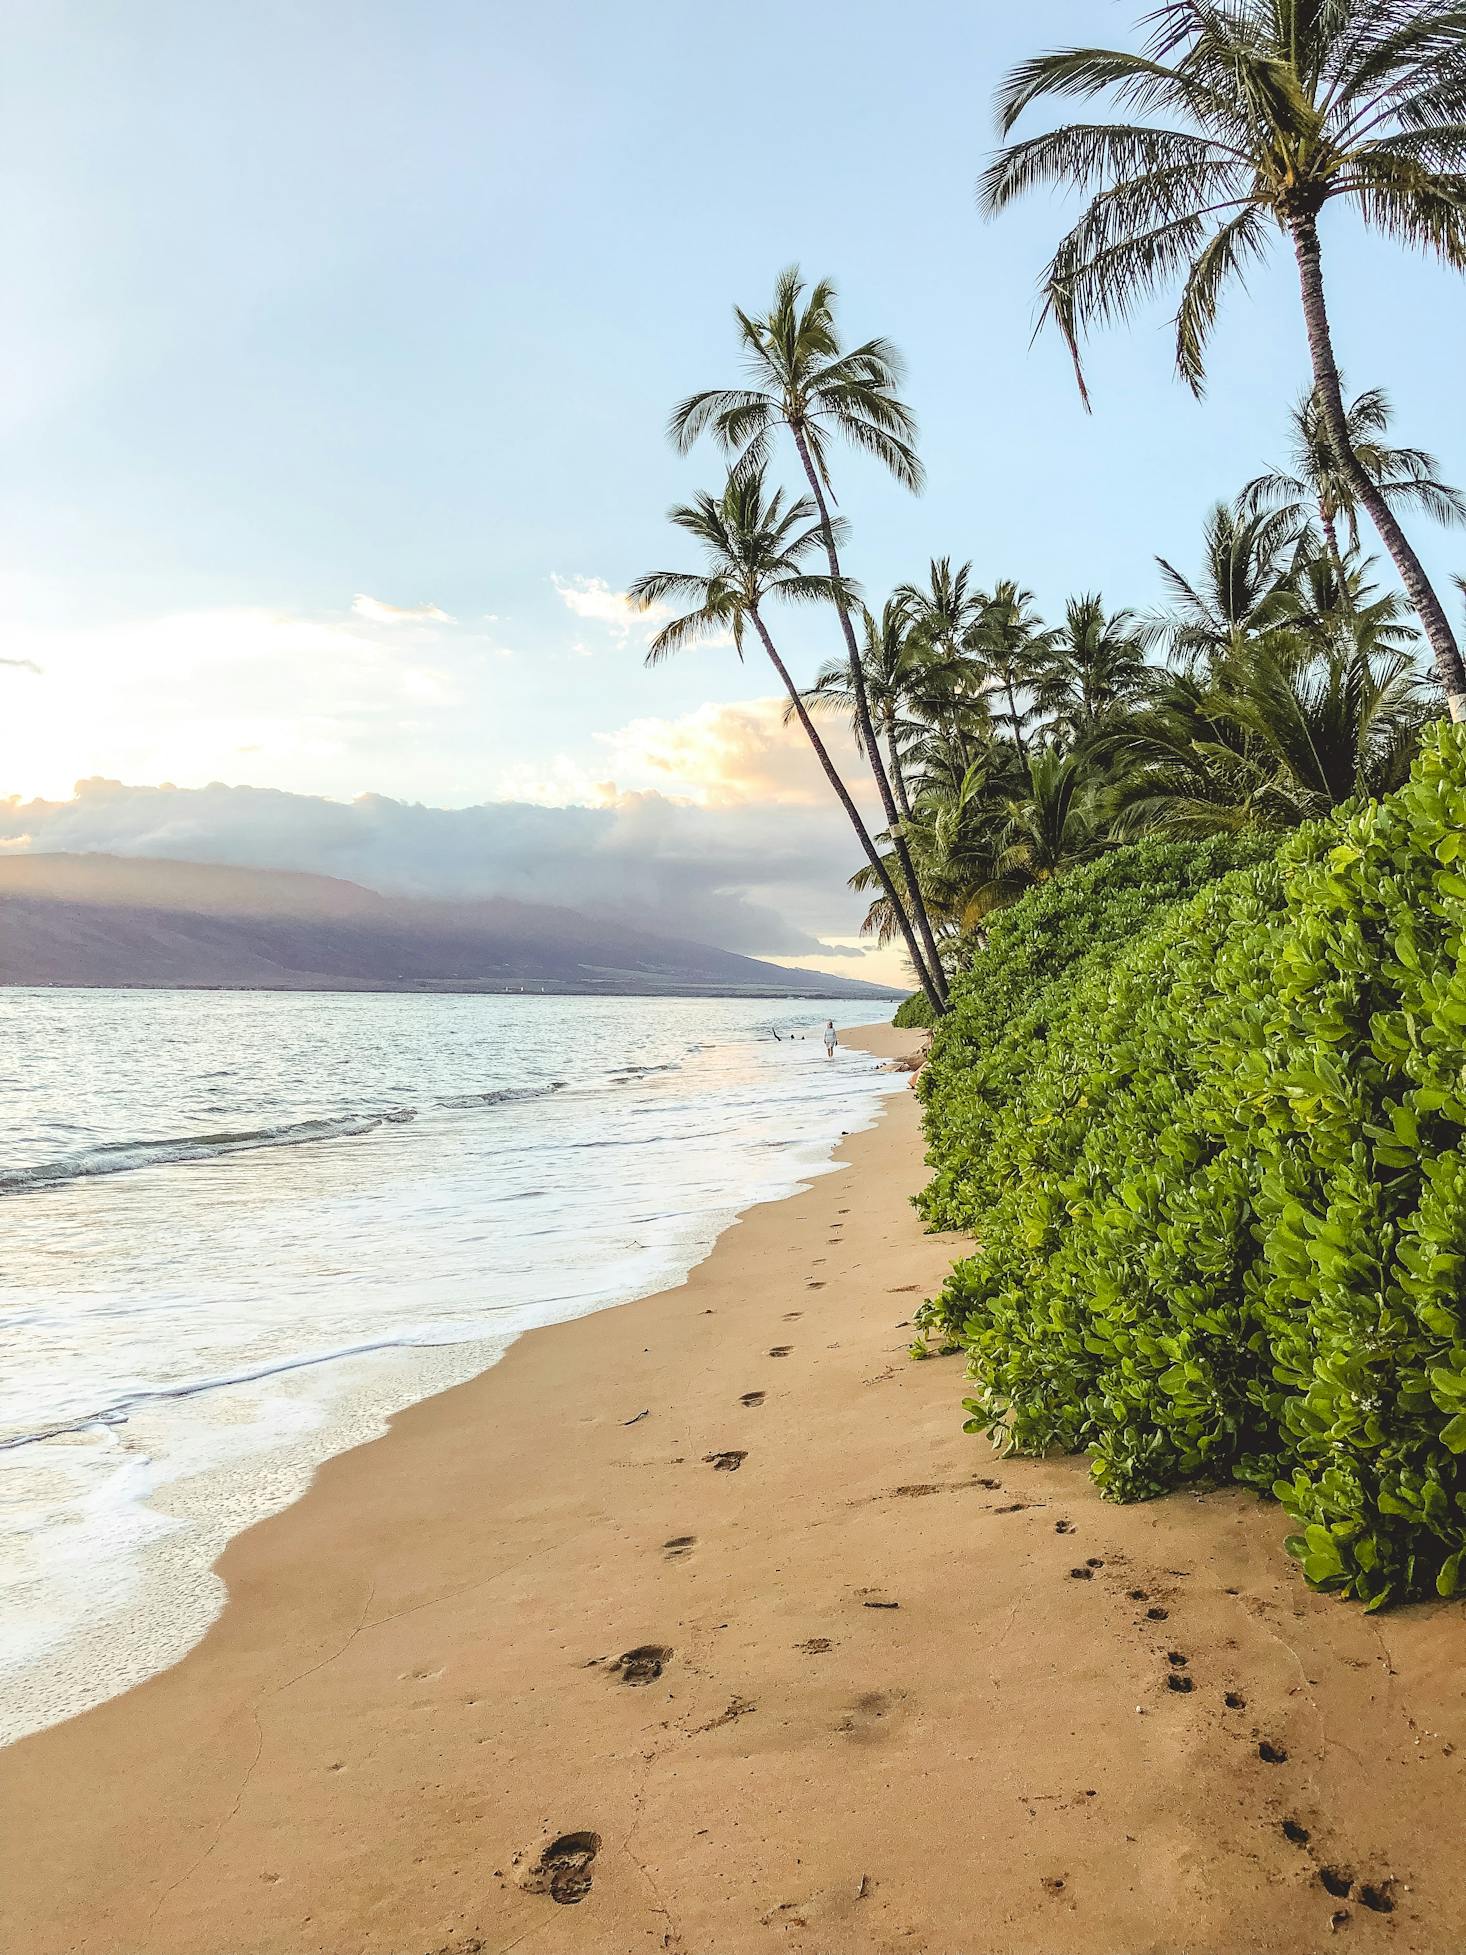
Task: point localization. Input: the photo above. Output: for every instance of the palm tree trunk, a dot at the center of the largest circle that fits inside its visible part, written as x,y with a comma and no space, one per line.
832,775
1331,539
1418,587
1013,715
867,730
898,776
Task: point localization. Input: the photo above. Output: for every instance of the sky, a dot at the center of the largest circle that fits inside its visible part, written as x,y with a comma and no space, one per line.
336,355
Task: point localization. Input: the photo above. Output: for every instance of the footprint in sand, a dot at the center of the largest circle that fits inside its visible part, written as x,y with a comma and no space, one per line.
752,1398
644,1664
724,1462
1179,1681
679,1546
815,1283
865,1721
791,1315
814,1645
1063,1527
781,1350
563,1870
1271,1754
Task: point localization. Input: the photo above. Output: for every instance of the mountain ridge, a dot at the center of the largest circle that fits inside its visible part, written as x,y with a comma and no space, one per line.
95,920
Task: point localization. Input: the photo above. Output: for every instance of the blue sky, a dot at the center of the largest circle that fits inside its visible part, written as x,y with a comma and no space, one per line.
316,300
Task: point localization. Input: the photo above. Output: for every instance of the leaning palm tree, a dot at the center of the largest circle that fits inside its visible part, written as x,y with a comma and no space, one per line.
755,551
1276,108
1314,484
805,381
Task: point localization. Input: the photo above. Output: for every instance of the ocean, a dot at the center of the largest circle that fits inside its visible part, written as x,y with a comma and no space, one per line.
242,1229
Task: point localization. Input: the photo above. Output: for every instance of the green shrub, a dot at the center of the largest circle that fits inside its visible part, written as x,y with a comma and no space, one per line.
913,1012
1027,969
1221,1195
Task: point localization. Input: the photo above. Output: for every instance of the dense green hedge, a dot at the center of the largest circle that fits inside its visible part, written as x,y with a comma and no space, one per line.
1027,969
913,1011
1217,1179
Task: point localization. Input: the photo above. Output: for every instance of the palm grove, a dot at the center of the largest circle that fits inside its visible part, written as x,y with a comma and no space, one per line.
1184,890
1282,677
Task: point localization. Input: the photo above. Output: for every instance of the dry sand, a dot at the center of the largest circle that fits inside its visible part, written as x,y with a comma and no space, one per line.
1053,1741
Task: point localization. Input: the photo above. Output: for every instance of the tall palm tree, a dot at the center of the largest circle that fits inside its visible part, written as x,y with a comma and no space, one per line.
805,381
1277,108
1314,483
1094,669
755,551
940,615
1009,644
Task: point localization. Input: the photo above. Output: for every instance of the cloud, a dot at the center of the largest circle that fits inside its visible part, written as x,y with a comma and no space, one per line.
767,880
379,612
332,699
21,665
729,756
592,598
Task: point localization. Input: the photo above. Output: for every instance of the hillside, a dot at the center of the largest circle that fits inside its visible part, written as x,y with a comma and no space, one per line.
138,921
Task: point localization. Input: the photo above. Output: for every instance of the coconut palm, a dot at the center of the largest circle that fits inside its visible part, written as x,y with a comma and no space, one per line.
803,380
1279,728
1243,586
1314,484
1094,668
1009,645
940,615
756,548
895,667
1275,108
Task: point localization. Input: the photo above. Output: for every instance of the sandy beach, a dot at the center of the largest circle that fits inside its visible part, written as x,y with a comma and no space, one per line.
699,1626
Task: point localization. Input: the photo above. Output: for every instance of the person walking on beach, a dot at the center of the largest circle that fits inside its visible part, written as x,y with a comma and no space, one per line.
829,1038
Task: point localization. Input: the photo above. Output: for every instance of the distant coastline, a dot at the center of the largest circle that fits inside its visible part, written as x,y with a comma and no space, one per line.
87,921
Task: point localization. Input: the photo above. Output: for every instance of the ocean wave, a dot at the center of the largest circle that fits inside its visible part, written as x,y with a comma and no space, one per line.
504,1095
121,1410
124,1156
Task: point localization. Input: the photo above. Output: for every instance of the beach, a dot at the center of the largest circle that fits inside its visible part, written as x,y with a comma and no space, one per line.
698,1625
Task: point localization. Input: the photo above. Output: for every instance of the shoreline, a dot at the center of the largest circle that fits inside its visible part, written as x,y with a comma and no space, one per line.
887,1692
135,1587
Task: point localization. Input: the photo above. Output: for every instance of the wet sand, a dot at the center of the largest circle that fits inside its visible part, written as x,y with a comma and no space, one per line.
786,1663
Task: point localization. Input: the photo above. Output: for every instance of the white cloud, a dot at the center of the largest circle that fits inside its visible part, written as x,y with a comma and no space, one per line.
325,698
378,612
741,755
592,598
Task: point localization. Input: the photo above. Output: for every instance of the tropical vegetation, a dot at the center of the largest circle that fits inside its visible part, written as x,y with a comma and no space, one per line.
1182,884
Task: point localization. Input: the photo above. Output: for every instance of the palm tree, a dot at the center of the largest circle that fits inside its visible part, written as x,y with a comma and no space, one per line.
1315,484
755,550
803,380
1243,586
1093,670
1282,725
894,665
1278,107
1053,824
1009,644
940,615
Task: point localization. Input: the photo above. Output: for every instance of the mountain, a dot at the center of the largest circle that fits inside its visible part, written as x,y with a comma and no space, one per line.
140,921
